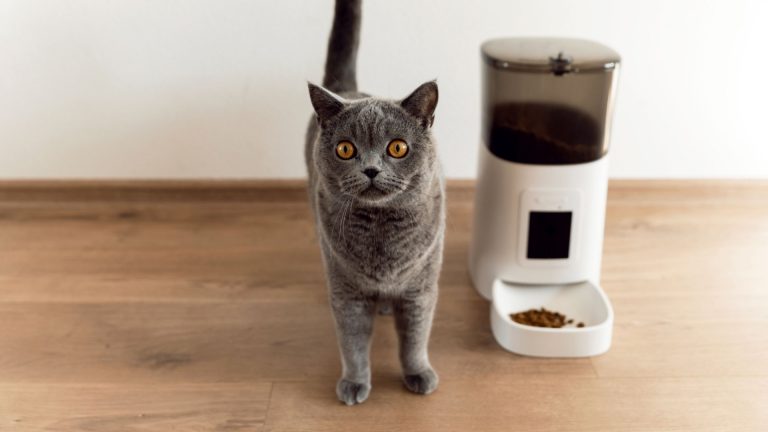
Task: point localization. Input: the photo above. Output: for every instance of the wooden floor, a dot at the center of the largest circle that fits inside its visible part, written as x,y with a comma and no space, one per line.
197,307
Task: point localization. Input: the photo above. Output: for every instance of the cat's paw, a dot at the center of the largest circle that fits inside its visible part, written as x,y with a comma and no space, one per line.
421,383
352,393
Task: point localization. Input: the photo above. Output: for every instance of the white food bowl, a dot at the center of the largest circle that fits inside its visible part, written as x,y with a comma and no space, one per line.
583,302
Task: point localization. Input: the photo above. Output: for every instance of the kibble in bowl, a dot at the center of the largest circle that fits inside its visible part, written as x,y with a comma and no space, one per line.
543,318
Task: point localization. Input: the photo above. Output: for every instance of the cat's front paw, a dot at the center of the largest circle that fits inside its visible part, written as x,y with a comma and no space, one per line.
421,383
351,392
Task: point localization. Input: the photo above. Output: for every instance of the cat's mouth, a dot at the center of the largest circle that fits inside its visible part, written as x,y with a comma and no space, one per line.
373,190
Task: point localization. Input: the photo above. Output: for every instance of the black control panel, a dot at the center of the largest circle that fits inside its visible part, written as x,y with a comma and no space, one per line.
549,234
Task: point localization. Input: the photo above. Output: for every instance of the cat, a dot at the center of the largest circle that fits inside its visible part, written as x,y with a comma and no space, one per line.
377,192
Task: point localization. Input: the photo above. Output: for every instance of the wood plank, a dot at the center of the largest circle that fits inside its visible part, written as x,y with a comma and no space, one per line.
229,342
237,190
530,403
130,407
685,270
175,296
152,190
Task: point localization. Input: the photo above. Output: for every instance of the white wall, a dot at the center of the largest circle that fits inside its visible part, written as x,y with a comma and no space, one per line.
215,88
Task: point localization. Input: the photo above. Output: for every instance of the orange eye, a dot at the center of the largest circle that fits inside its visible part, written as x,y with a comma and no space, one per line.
345,150
397,148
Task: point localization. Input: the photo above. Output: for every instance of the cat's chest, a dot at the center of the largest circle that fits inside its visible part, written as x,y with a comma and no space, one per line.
380,243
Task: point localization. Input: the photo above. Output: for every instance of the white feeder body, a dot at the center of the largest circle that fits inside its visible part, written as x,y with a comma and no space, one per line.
508,194
541,190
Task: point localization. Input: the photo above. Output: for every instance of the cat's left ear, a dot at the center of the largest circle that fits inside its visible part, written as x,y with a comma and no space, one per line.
422,103
326,103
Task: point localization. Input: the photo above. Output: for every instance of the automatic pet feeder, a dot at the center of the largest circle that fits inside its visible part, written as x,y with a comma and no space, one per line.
541,191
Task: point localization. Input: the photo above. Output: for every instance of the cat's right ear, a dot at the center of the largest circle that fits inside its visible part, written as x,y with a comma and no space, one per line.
326,103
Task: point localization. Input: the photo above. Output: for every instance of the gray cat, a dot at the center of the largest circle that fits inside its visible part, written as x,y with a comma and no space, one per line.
376,189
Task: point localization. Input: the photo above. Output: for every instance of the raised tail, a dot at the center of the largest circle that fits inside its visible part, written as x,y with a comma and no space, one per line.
341,62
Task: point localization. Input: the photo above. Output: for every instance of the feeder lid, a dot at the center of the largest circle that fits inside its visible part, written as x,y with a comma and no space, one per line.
549,55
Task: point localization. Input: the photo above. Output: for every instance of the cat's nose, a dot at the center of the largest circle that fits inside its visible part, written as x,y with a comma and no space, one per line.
371,172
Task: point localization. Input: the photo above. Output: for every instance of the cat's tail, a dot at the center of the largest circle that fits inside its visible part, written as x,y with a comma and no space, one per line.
341,63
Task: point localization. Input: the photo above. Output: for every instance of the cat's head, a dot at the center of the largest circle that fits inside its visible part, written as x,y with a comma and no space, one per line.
375,150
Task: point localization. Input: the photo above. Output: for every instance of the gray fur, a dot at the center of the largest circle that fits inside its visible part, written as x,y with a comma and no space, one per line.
381,238
341,64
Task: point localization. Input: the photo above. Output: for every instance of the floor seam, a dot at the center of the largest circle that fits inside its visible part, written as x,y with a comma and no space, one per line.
269,404
594,369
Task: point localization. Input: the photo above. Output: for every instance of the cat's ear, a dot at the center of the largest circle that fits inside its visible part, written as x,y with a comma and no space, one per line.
422,103
326,103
